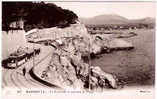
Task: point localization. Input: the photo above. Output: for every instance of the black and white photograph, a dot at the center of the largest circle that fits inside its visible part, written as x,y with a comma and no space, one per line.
79,46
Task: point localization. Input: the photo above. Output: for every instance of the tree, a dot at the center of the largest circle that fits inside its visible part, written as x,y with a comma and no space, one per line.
36,14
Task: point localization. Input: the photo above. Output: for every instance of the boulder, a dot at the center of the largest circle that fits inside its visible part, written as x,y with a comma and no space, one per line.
103,77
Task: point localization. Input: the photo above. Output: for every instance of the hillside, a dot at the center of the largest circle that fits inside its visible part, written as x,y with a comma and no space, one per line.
115,19
147,20
36,15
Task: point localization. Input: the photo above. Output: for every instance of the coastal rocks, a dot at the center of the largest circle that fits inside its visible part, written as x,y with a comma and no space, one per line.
68,69
103,79
70,66
62,70
111,43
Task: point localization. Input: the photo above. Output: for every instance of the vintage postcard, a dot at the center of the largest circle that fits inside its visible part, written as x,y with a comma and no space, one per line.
97,49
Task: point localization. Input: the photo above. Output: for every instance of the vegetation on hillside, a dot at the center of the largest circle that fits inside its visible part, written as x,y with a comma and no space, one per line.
36,15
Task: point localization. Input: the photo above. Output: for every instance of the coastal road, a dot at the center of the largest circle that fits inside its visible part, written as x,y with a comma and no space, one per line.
13,78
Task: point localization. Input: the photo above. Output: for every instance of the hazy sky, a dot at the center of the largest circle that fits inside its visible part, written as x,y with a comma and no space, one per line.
131,10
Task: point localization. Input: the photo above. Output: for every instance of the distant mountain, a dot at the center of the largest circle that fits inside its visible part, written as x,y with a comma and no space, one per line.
147,20
114,19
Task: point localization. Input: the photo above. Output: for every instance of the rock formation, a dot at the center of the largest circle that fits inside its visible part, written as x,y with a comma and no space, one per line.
70,62
68,68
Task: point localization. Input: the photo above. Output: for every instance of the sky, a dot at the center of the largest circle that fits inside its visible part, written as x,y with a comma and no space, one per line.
130,10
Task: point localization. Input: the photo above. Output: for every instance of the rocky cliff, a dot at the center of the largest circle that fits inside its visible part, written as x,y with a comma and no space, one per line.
70,62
